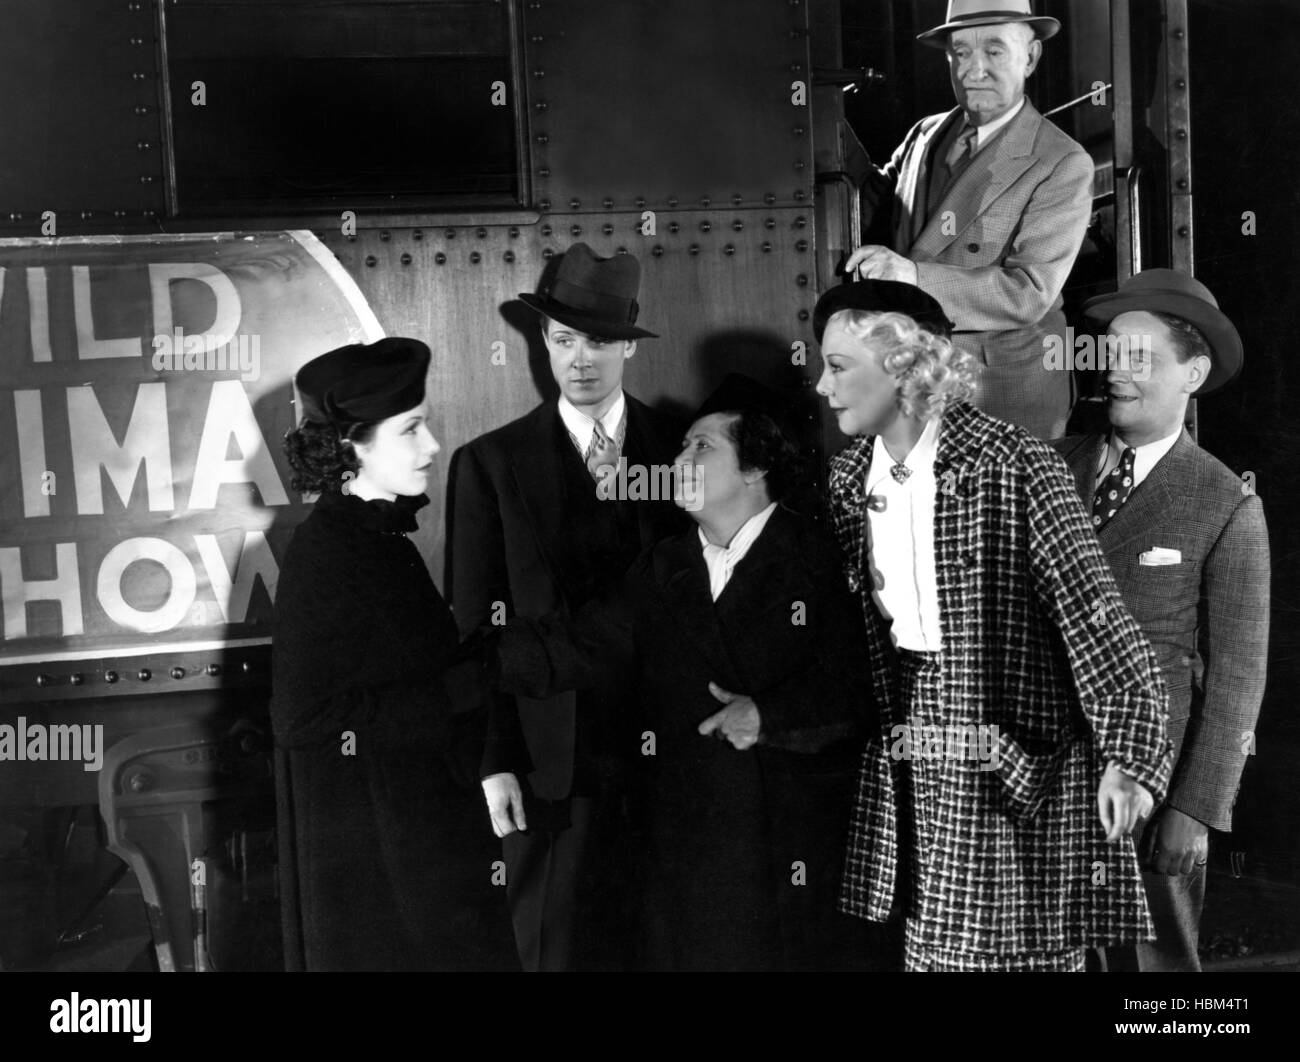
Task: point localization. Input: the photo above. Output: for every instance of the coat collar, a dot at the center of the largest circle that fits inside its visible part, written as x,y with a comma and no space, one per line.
990,174
1152,499
378,515
963,433
765,574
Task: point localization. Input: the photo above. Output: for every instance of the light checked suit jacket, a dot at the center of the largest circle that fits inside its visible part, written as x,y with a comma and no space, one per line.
997,252
1207,616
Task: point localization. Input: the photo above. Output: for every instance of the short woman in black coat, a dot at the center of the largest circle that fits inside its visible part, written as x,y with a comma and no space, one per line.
750,701
386,836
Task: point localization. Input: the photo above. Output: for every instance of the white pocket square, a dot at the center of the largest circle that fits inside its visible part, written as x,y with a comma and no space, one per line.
1158,555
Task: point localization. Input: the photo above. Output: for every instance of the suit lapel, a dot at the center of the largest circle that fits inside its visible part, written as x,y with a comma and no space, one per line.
990,174
760,576
913,182
540,480
1151,500
765,584
1082,460
646,445
683,581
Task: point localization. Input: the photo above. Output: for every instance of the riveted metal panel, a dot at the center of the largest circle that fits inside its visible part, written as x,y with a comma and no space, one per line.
655,99
81,118
727,289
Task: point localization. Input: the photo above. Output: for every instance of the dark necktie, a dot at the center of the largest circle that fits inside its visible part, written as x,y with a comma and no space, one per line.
1113,491
960,152
953,165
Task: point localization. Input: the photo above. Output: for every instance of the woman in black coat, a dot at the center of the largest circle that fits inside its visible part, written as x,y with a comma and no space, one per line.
384,832
751,700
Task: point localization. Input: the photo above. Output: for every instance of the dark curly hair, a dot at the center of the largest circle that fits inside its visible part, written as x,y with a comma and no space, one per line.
320,454
762,444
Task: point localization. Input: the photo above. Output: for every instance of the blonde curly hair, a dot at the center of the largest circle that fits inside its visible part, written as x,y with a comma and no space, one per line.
928,371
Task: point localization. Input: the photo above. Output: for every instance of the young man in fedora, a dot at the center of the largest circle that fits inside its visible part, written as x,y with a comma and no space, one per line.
532,534
990,203
1187,542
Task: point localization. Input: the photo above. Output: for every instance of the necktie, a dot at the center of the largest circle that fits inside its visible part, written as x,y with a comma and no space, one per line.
954,165
961,150
600,451
1113,491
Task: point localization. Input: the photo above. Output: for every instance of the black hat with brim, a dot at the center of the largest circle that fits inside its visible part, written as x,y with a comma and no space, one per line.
1177,294
597,296
882,296
363,382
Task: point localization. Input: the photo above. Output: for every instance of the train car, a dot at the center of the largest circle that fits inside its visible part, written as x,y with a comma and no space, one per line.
200,196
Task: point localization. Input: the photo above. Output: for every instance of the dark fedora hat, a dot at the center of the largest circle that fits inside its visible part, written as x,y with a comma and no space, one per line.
594,295
882,296
963,14
1177,294
363,382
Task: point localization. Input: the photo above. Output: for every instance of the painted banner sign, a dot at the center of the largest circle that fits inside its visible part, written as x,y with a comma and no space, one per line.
145,386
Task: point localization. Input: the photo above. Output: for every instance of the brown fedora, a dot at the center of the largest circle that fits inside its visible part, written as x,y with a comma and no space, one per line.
1177,294
594,295
963,14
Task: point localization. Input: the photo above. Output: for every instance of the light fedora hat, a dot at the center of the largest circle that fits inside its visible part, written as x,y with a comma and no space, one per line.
963,14
1175,293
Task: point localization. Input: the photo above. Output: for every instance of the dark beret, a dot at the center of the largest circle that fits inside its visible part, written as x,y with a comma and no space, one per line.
364,381
882,296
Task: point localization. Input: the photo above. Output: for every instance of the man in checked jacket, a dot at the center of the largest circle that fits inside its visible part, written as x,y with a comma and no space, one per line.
992,617
1189,547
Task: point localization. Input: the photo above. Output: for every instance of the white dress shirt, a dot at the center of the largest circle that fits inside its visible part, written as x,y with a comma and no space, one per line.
722,560
1145,458
581,426
985,133
901,536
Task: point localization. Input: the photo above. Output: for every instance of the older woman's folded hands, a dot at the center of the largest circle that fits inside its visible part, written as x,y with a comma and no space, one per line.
738,722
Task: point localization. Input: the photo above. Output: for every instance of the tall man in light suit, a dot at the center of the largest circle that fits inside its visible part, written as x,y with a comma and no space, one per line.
1186,540
532,535
990,203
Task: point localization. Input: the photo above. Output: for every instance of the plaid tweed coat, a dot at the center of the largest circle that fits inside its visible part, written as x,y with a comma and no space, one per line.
1036,640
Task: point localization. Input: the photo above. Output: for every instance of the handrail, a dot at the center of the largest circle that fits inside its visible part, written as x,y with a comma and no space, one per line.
1133,178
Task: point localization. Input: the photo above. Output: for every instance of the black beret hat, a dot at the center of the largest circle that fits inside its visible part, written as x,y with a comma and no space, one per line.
882,296
364,381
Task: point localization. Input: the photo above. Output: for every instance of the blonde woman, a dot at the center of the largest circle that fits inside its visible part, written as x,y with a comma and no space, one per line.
1020,702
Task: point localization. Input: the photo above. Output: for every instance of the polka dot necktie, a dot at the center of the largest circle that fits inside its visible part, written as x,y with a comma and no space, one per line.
1114,490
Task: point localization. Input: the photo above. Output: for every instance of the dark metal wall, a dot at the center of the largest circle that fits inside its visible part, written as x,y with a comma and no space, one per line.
670,106
676,108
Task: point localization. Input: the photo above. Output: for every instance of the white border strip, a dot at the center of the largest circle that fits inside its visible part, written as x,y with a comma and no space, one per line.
370,326
114,654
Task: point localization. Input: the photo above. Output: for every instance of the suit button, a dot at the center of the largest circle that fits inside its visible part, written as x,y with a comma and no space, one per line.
973,248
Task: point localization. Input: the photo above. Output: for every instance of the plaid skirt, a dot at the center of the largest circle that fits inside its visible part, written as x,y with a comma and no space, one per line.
921,690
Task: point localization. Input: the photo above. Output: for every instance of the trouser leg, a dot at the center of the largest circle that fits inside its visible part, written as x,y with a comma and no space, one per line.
1176,904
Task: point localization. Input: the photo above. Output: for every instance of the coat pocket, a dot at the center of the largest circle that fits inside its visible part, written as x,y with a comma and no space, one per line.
1027,777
